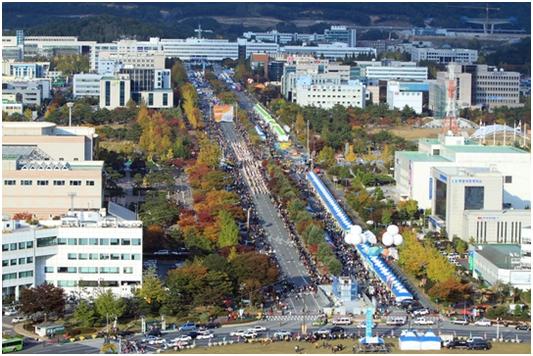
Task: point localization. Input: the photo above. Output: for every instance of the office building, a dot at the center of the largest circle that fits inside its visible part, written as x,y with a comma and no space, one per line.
28,92
444,55
282,37
83,252
327,90
115,91
401,71
500,264
275,70
48,46
412,169
402,94
492,87
48,169
158,98
329,51
10,105
86,85
468,203
24,70
341,34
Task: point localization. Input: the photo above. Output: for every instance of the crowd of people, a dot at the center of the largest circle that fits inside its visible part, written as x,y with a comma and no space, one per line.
250,178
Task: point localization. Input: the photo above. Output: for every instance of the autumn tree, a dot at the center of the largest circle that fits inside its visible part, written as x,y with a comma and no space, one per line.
326,157
108,306
300,127
45,298
229,232
152,290
209,153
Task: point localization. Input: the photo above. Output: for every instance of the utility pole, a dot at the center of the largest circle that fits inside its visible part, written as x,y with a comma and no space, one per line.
524,134
494,134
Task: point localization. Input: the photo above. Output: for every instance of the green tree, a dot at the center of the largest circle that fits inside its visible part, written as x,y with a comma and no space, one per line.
158,210
152,290
28,114
229,231
84,314
109,306
71,64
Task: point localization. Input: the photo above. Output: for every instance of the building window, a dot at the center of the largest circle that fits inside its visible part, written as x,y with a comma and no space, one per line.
42,182
107,93
83,256
508,179
122,93
136,242
93,241
66,270
128,270
66,283
114,242
29,259
12,247
109,270
29,244
72,242
150,99
474,198
125,256
88,270
440,199
22,261
22,245
5,263
89,182
5,247
13,262
136,257
25,182
83,242
115,256
104,241
93,256
104,256
25,274
126,242
165,99
72,256
48,269
10,182
75,182
9,276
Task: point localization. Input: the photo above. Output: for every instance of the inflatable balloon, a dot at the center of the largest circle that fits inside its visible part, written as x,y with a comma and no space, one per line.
372,239
398,239
357,239
356,229
363,238
393,229
387,239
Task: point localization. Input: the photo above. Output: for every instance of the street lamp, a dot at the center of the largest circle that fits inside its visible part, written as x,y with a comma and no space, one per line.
70,105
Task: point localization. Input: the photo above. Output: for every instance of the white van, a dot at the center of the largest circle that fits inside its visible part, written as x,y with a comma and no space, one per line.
342,321
396,320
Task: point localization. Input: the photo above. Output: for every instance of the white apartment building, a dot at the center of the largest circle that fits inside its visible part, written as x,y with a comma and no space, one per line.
329,51
412,169
158,98
115,91
83,252
444,55
326,91
86,85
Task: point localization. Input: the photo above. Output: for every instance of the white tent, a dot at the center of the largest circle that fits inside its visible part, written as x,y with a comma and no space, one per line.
409,341
430,341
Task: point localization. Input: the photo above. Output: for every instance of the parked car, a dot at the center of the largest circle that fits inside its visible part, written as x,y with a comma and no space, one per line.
188,326
154,332
205,335
421,312
423,321
459,321
483,322
282,333
19,319
457,344
523,327
182,338
162,252
342,321
213,325
258,328
237,333
323,332
336,330
10,312
249,334
479,344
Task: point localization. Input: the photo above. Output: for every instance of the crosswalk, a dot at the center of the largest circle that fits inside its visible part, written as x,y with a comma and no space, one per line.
289,317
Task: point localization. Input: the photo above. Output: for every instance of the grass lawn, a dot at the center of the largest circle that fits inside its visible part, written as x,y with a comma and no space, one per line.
308,348
410,133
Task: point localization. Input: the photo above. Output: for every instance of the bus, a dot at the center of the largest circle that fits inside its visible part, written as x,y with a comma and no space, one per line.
12,344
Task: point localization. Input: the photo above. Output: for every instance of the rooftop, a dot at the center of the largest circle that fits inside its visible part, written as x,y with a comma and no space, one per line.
501,255
484,149
421,156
